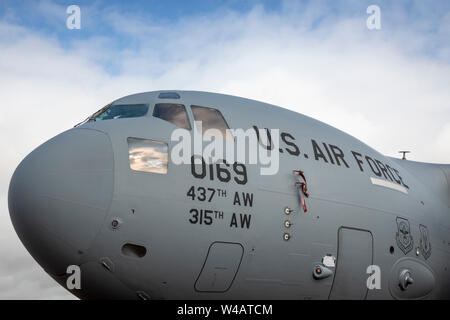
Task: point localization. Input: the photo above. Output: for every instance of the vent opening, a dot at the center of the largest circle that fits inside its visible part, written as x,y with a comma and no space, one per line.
133,250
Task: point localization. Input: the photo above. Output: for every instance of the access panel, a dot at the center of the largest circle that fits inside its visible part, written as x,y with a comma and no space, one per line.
355,248
220,267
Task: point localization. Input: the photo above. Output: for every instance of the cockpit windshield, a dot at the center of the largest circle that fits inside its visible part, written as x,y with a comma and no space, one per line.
120,111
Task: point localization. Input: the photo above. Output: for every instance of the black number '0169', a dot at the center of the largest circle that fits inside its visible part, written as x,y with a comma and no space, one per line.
222,171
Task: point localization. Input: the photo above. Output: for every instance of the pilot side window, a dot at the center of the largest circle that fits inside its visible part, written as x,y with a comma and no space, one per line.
211,119
148,155
120,111
173,113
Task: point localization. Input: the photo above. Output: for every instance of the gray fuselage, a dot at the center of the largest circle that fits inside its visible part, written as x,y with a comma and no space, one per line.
192,233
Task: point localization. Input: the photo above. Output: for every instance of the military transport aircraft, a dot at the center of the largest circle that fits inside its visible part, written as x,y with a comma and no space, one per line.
333,219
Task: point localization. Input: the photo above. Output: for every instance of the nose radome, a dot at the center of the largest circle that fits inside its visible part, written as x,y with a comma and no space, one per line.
59,196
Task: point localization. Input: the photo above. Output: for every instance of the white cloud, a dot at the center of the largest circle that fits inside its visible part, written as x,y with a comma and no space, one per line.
371,85
441,146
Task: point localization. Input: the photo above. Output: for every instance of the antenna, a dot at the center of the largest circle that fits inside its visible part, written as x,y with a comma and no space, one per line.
404,154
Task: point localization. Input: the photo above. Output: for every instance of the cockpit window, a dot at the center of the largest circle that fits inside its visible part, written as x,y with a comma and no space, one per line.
173,113
148,155
211,119
120,111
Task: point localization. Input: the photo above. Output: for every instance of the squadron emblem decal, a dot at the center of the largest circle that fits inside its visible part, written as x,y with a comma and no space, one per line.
425,244
404,239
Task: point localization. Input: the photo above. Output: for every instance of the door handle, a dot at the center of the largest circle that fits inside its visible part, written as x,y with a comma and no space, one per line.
405,279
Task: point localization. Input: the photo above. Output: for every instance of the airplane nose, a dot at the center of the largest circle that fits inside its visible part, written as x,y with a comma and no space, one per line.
59,196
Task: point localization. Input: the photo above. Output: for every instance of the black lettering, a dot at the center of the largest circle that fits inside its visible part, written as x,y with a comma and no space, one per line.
248,199
328,152
240,170
358,161
202,174
401,180
393,176
370,162
383,169
208,219
233,222
202,196
211,172
213,191
269,139
194,218
237,200
338,154
317,152
191,193
296,150
222,173
245,220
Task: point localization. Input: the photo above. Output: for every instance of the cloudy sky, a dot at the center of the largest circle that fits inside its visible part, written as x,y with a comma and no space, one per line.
388,87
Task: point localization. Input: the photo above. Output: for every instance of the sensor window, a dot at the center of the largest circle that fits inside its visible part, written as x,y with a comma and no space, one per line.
148,155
